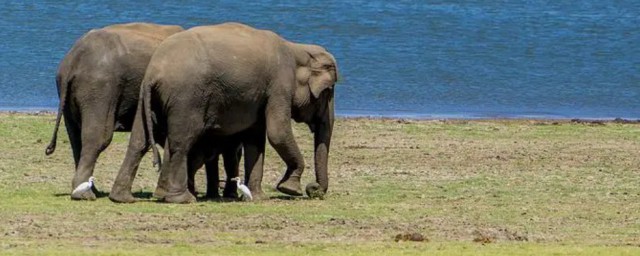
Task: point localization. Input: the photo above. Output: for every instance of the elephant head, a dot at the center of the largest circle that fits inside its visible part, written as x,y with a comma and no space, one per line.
316,74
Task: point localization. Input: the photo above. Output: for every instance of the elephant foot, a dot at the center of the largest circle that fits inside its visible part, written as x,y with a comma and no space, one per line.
229,193
122,197
181,198
259,196
160,193
314,190
89,195
211,196
290,187
193,192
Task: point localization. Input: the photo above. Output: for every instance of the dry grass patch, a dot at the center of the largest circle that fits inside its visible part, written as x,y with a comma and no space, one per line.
515,185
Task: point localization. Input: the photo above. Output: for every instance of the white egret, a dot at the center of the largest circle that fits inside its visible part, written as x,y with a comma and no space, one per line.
83,187
246,193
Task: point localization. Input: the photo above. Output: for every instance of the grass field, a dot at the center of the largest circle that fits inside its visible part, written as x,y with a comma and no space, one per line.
482,187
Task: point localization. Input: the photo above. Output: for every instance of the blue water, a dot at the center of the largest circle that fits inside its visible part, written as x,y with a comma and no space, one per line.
470,59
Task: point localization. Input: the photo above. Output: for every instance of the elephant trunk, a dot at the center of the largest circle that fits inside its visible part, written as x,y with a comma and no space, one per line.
322,140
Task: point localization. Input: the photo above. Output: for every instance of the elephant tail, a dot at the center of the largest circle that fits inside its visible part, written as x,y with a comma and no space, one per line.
146,111
63,92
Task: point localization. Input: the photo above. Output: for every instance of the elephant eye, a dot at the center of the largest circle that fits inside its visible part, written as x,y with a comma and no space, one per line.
316,71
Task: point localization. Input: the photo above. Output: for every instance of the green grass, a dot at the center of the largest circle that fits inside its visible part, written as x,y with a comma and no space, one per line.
513,187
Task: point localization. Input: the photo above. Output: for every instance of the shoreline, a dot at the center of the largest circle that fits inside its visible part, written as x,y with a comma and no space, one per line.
421,117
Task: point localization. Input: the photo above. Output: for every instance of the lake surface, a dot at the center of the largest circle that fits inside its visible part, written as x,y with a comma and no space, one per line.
425,59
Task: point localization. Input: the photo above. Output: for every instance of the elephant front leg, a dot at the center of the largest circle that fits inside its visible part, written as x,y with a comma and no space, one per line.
196,160
281,138
231,158
290,183
213,178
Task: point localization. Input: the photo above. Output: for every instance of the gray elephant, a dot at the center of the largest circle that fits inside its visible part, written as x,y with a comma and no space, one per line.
227,79
98,84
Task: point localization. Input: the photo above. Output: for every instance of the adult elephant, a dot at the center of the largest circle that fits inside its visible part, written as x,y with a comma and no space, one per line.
229,78
98,84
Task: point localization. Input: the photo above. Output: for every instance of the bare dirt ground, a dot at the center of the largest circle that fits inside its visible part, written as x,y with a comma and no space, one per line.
392,182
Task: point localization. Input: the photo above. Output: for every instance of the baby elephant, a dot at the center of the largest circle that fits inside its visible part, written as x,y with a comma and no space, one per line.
231,150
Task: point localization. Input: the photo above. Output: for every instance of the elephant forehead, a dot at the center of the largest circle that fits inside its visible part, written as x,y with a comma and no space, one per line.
323,60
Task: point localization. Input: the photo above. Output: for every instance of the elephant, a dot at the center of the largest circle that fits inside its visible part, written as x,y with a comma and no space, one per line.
98,83
228,79
231,150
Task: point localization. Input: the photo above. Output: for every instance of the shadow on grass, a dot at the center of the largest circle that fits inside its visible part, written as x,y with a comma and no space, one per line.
99,194
142,195
96,191
218,199
291,198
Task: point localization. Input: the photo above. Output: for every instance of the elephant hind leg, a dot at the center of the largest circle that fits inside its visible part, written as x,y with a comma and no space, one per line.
96,134
138,146
73,130
182,133
173,181
253,147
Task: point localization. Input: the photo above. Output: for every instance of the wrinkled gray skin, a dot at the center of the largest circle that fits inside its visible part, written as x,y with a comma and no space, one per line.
224,79
98,84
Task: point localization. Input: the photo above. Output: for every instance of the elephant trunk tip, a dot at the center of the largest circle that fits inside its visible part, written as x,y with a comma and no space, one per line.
50,149
314,190
157,163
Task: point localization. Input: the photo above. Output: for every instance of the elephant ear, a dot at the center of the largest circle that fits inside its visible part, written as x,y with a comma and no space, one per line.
324,72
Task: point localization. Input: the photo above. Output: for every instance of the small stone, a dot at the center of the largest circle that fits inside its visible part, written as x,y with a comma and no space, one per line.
415,237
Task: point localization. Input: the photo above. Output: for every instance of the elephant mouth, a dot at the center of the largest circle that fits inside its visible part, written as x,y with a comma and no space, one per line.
296,116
